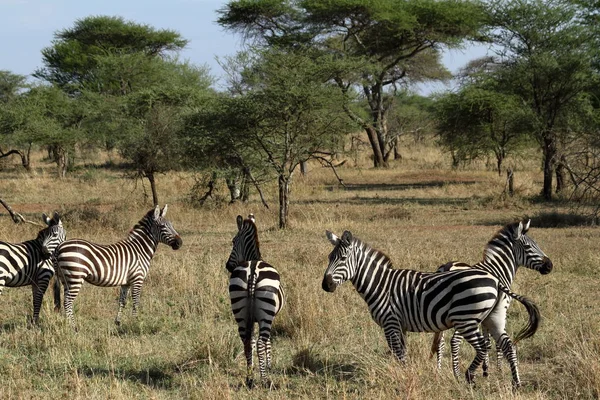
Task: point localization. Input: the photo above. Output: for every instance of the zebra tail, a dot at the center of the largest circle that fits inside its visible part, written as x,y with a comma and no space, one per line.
435,344
533,311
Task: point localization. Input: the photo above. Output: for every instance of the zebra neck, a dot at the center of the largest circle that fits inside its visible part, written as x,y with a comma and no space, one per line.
499,261
143,237
373,268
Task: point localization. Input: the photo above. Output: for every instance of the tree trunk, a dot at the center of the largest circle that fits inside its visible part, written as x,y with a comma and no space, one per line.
549,155
26,158
560,175
233,184
303,168
150,176
246,180
284,200
62,161
510,181
378,160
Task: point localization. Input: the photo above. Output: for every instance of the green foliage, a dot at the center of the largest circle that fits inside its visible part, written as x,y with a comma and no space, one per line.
72,61
11,85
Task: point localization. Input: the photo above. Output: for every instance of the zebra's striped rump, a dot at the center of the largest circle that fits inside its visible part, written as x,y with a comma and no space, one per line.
403,300
256,295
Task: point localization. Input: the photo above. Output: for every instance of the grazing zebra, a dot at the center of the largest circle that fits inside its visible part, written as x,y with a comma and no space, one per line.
27,263
256,295
403,300
510,248
124,263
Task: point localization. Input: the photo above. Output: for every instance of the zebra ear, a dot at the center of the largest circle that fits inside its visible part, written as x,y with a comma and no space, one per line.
332,238
347,237
56,218
163,212
526,227
156,212
46,219
519,231
240,221
251,218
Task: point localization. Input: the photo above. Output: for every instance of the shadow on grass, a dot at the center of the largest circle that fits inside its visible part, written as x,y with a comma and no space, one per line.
154,377
137,328
360,200
552,219
306,362
397,186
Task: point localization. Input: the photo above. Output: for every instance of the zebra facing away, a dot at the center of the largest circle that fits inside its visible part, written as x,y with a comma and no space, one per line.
27,263
510,248
403,300
256,295
124,263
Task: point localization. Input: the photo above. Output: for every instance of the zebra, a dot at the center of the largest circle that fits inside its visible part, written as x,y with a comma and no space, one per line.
510,248
256,295
125,263
27,263
403,300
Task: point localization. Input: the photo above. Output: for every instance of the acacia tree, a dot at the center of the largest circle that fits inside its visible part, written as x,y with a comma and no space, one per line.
379,45
285,115
546,61
477,121
73,61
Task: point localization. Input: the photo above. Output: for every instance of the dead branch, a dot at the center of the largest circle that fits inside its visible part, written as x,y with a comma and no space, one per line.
257,186
16,217
329,164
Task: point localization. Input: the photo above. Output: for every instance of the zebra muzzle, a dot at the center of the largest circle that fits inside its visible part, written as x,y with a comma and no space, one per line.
328,285
546,266
177,243
46,254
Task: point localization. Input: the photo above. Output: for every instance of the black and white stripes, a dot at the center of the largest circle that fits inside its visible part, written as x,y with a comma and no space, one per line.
124,263
256,294
27,263
510,248
406,300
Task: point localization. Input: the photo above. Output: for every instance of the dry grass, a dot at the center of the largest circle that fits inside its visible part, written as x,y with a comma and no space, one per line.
185,343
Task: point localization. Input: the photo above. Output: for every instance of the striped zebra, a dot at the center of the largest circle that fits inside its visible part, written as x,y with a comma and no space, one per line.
124,263
27,263
510,248
256,295
403,300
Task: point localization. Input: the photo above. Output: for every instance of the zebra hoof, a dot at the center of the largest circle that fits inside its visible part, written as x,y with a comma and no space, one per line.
470,377
250,383
117,323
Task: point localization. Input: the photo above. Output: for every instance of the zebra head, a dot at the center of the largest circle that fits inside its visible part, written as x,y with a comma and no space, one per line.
51,236
162,229
245,243
342,263
525,250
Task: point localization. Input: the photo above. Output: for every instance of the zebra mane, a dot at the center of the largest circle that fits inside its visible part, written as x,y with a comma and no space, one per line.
144,223
250,223
505,235
367,248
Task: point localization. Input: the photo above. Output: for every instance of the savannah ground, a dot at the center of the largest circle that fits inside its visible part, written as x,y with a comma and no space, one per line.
184,344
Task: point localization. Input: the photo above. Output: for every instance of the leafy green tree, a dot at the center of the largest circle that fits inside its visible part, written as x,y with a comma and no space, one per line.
73,60
547,63
477,120
285,114
378,45
152,120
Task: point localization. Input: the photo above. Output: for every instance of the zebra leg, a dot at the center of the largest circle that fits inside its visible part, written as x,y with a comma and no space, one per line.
122,303
395,339
472,335
136,291
261,349
455,342
71,290
268,353
508,349
38,290
249,365
437,348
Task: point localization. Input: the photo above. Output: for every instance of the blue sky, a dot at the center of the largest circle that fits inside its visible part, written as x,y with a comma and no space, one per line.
29,25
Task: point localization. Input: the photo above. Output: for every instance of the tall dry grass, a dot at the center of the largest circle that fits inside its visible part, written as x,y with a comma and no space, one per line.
185,345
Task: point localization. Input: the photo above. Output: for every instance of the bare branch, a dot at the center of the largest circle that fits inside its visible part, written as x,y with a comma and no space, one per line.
16,217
